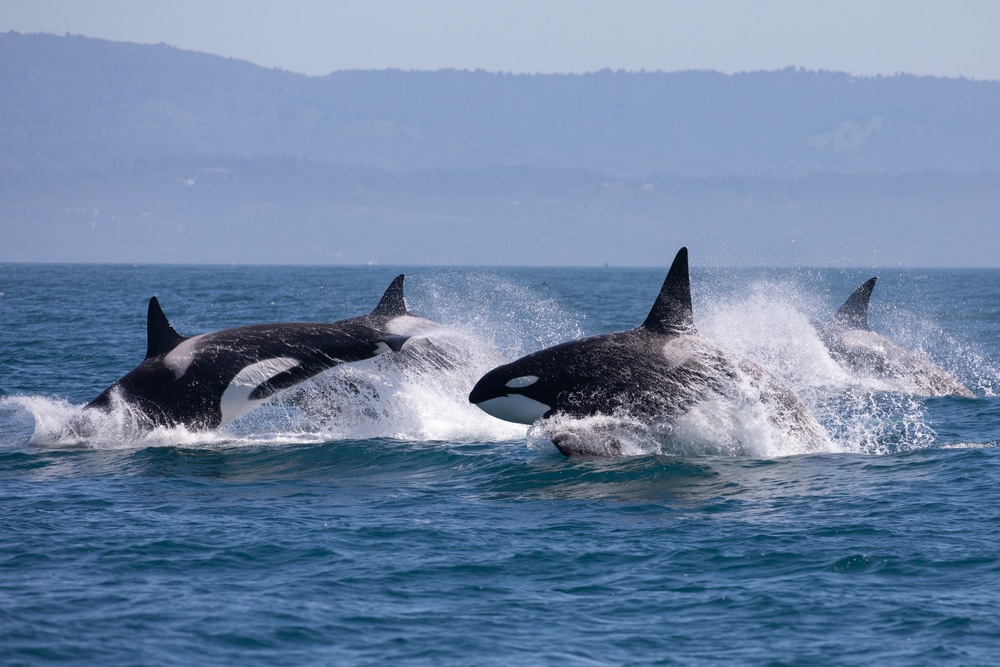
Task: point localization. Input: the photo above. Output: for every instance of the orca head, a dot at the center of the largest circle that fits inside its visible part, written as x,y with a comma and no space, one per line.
161,340
518,392
591,374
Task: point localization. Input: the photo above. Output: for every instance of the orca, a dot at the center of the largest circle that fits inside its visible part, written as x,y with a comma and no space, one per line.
205,381
859,349
655,373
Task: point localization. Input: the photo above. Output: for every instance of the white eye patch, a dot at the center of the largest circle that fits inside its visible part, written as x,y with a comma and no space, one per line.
523,381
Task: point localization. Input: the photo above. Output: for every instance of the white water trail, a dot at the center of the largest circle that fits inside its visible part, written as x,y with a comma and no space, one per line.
58,424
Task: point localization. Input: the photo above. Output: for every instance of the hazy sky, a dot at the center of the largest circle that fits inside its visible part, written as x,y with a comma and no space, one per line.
865,37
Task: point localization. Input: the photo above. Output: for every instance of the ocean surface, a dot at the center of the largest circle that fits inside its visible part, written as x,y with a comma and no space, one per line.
374,517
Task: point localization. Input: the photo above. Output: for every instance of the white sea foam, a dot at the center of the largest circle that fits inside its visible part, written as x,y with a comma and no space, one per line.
60,424
419,394
738,424
423,392
771,325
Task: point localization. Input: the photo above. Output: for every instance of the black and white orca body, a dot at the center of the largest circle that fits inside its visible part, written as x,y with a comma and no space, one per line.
654,373
855,346
208,380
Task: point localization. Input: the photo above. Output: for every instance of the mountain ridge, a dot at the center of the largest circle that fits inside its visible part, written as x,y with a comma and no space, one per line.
146,153
81,101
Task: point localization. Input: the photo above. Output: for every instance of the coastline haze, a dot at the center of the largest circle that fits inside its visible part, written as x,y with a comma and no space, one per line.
315,38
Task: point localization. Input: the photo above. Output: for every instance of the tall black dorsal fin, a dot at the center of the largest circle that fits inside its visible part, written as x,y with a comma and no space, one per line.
672,311
160,336
854,313
392,303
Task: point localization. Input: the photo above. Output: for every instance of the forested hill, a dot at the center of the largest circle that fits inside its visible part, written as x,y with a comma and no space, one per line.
73,102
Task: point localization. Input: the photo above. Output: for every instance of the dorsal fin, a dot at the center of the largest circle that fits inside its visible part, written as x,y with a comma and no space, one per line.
854,313
392,303
160,336
672,311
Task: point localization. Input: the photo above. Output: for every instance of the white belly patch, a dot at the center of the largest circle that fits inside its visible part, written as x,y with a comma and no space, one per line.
516,408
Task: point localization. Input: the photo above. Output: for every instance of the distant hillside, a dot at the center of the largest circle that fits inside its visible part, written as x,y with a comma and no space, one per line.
74,102
285,210
114,152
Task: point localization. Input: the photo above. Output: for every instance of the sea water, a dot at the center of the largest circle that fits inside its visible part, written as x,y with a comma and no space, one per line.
372,516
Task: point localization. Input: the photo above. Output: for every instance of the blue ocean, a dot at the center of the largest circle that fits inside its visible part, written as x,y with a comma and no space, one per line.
373,516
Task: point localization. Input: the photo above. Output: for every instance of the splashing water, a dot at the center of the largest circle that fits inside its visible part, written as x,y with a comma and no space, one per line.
510,316
419,394
60,424
422,393
773,326
743,422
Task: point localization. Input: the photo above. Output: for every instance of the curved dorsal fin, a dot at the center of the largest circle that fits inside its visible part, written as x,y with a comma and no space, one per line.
672,311
392,303
854,313
160,336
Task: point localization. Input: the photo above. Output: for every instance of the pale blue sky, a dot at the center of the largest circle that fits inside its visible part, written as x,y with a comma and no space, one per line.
863,37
